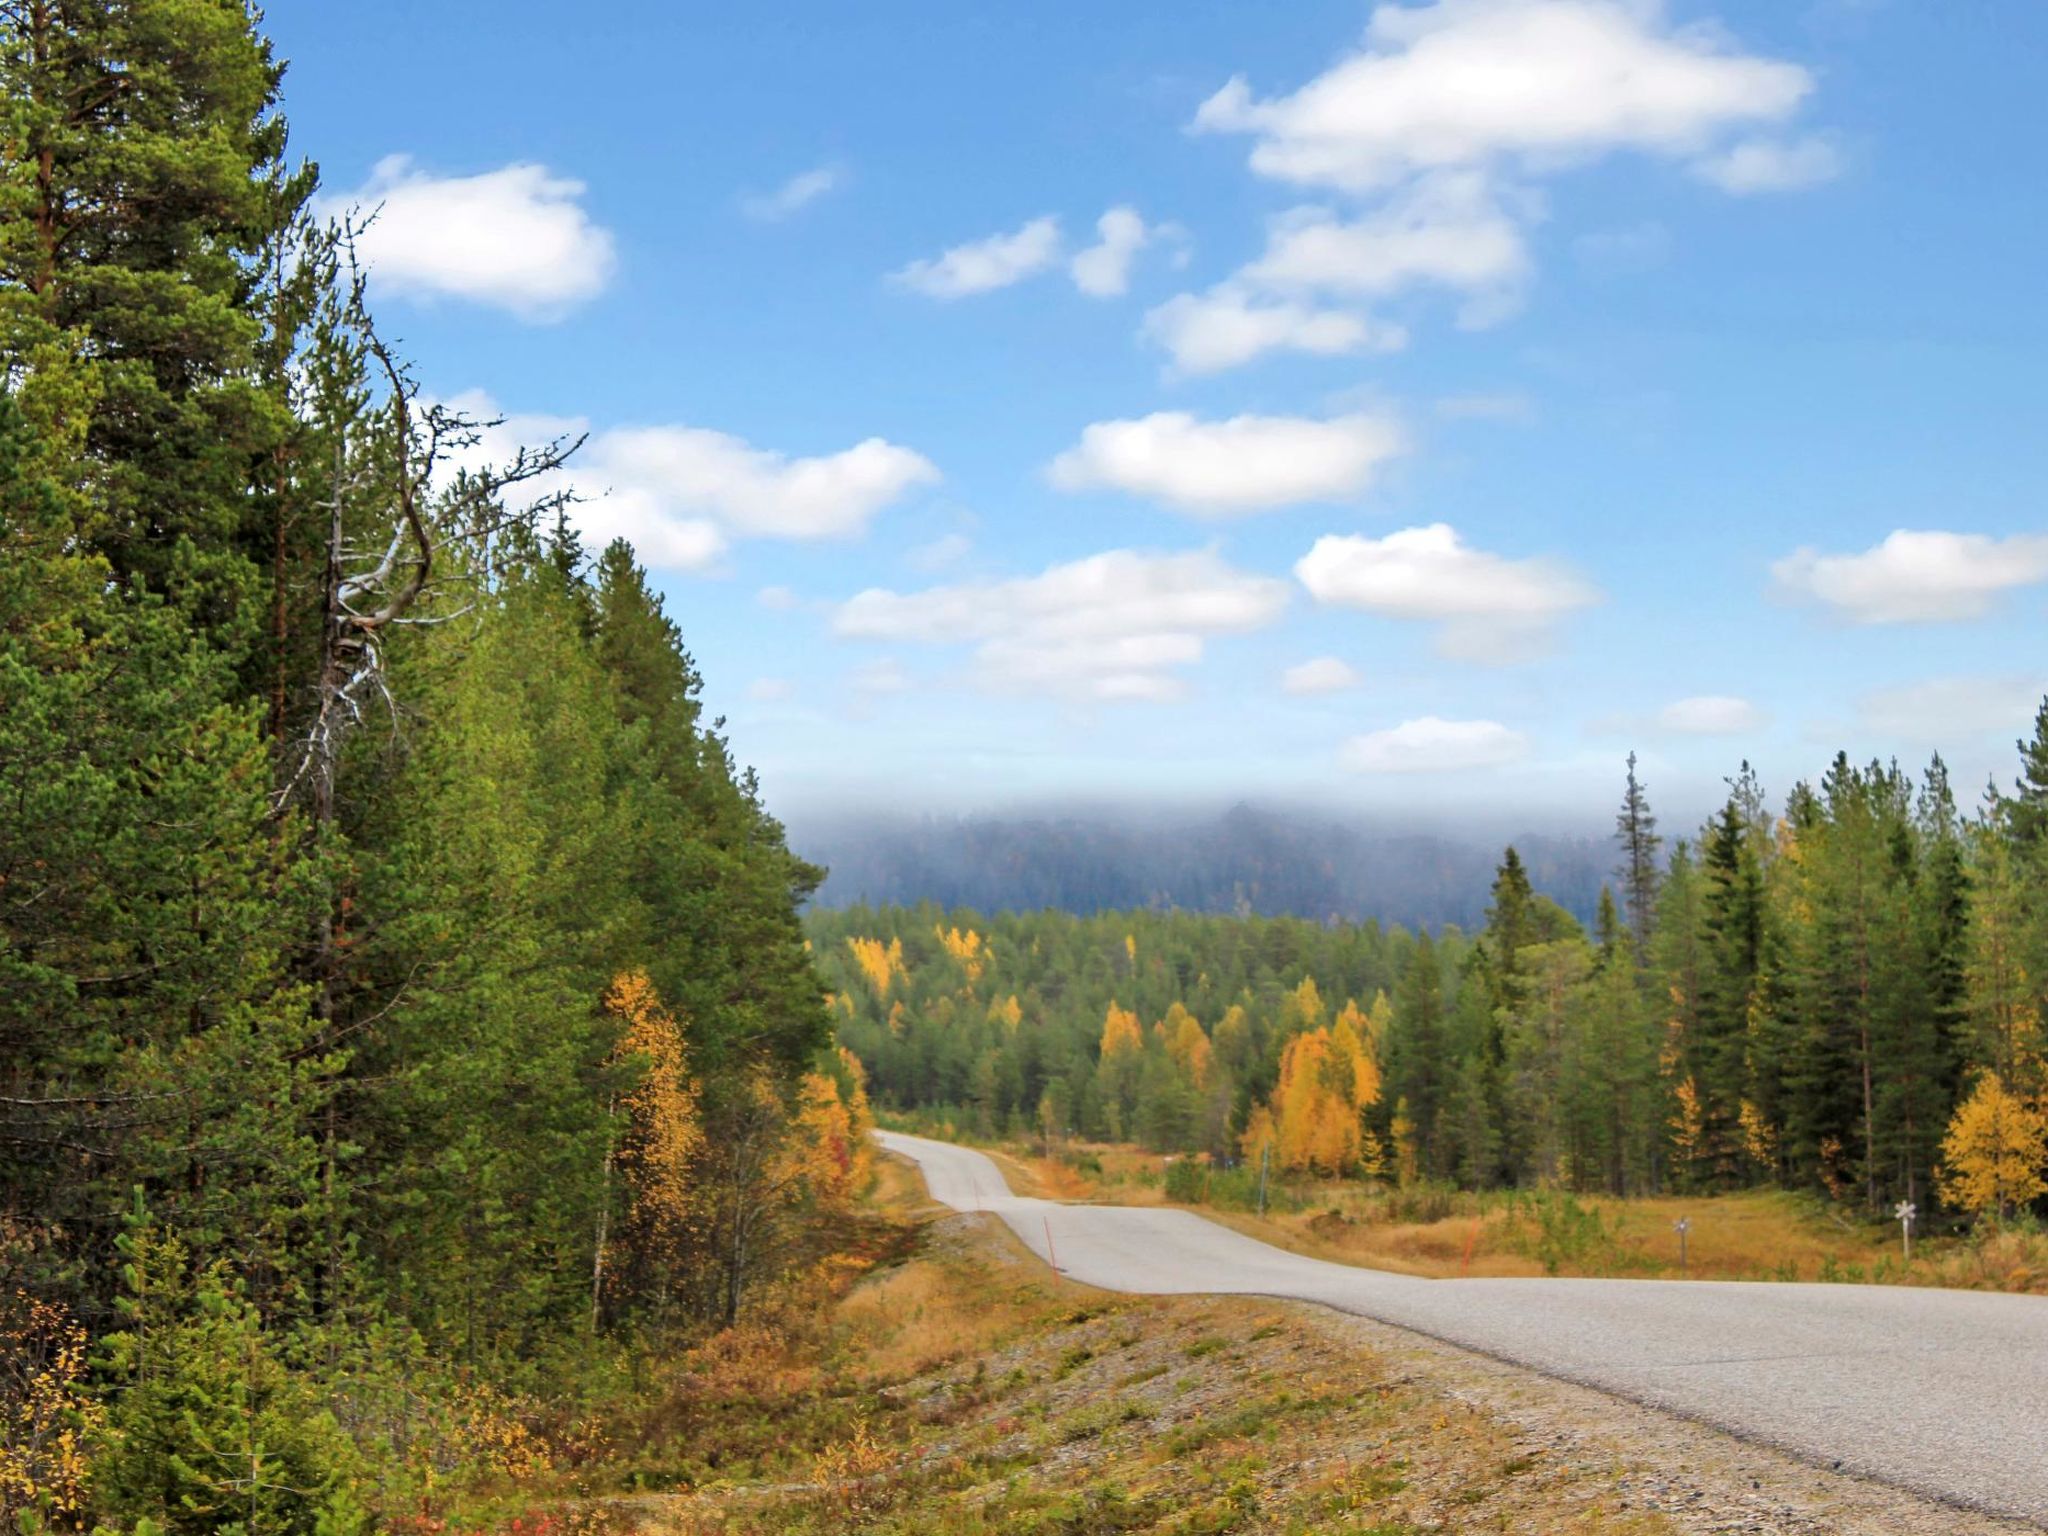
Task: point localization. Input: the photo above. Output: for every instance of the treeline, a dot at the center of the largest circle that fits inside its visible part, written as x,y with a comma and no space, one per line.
1844,994
404,1013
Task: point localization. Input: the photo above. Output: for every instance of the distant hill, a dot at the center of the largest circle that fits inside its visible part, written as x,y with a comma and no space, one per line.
1243,860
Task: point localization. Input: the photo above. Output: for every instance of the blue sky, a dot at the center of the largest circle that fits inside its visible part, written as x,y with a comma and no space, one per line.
1471,393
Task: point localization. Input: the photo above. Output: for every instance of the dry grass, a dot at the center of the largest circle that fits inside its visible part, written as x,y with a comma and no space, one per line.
1001,1400
1756,1235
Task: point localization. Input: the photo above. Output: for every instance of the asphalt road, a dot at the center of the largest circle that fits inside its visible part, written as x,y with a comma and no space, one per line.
1942,1392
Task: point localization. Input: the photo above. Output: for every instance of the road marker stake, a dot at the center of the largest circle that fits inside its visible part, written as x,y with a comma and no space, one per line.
1050,1257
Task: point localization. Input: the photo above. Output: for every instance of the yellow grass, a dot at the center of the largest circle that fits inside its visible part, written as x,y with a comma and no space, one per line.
1755,1235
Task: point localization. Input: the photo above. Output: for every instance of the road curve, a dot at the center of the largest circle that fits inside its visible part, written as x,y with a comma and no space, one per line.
1941,1392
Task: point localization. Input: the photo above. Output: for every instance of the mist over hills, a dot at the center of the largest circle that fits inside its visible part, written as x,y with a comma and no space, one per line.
1246,859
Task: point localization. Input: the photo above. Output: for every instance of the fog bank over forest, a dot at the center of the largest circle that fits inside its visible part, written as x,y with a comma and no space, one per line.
1316,864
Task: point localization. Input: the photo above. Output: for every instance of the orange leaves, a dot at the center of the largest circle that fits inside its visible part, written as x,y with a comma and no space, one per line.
1120,1033
833,1153
880,964
662,1133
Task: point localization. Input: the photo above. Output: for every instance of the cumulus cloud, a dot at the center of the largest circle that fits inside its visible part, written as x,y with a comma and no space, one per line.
1441,124
1486,607
1228,468
1448,230
1325,674
1916,576
1527,83
1104,269
1434,745
1230,325
1710,715
1116,626
693,471
1943,710
1768,165
794,195
682,494
980,266
517,237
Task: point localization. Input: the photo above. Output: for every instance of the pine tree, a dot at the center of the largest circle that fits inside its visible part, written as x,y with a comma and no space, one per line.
1635,829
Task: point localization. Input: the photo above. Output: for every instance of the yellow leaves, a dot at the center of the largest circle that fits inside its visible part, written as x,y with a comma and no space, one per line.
47,1414
1689,1121
966,947
1120,1033
1407,1151
1349,1038
1759,1137
1187,1045
880,964
1302,1009
1006,1011
1995,1152
1131,948
1325,1080
1260,1133
662,1132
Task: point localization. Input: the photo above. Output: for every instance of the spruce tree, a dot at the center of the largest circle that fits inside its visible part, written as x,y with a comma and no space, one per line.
1635,829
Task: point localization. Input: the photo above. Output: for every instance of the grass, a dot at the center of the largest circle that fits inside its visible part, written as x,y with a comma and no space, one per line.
1442,1233
960,1390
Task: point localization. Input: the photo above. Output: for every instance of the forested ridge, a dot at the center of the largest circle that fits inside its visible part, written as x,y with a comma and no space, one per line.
1842,992
1250,860
406,1031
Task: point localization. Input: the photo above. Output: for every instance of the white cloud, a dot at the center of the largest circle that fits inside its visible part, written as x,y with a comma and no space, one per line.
1227,468
770,690
1114,626
1488,608
1447,230
1945,710
939,553
681,495
1229,326
1767,165
982,265
1325,674
1434,745
795,194
1471,83
517,237
1710,715
1916,576
675,472
777,599
1104,269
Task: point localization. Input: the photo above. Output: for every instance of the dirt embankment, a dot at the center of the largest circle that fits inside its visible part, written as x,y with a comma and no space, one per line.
974,1392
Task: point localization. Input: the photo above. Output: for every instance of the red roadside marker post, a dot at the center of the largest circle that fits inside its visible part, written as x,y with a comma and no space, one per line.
1051,1257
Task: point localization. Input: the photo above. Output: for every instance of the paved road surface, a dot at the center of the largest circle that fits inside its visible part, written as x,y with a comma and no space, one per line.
1943,1392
